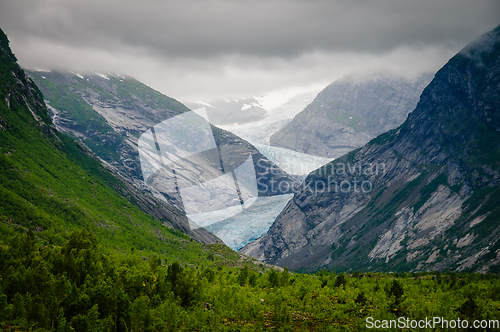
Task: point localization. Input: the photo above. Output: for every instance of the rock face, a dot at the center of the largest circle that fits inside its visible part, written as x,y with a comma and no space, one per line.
349,112
25,93
424,196
108,113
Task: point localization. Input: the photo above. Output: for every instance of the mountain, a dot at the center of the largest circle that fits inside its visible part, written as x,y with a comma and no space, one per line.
349,112
51,185
259,130
108,113
424,196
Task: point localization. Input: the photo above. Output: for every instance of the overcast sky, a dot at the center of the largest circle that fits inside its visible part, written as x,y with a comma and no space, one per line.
201,50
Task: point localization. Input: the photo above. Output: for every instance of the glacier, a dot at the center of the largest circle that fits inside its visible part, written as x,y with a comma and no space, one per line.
292,162
252,223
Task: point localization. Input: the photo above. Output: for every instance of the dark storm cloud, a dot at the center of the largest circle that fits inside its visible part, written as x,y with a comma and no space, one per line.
254,27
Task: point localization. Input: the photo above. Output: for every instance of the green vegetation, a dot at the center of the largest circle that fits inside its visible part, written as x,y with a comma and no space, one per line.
63,98
57,191
50,184
385,137
483,202
74,97
78,287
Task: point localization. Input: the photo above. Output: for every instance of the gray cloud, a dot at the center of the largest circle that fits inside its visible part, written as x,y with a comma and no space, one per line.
257,27
242,46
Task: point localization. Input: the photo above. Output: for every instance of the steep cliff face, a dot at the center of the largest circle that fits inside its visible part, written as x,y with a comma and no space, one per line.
349,112
19,89
424,196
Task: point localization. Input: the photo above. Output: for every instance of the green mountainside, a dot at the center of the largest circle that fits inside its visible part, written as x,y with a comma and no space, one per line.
71,99
73,96
52,185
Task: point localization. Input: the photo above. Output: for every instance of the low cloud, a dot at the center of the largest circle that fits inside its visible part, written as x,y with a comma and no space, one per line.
210,49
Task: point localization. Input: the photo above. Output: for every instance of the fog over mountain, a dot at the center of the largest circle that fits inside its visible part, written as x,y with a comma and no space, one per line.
205,50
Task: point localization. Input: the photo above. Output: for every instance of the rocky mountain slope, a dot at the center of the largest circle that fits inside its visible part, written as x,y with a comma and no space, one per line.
424,196
88,108
50,184
108,113
349,112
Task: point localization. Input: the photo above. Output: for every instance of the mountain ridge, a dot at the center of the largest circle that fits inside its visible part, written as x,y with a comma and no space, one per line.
124,108
434,206
108,113
349,112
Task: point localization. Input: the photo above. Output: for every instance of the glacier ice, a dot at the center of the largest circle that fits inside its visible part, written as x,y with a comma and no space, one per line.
254,222
249,225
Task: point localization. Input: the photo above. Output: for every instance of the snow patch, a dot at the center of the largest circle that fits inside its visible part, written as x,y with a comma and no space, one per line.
103,76
204,103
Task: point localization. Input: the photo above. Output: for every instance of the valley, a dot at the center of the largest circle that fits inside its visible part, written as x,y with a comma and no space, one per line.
373,203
